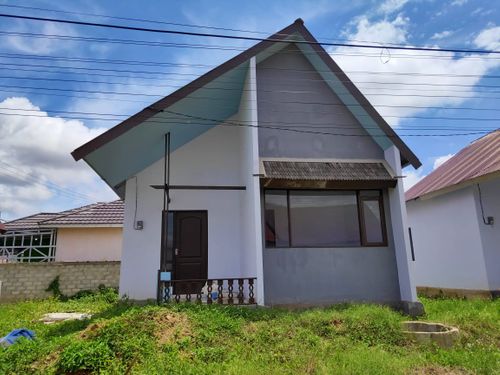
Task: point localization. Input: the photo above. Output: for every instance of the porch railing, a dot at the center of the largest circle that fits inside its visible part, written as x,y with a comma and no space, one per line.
228,291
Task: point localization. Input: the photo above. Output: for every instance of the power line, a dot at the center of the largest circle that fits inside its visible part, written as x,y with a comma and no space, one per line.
148,43
328,125
218,99
279,128
176,23
231,123
417,74
134,19
277,111
25,177
238,89
249,38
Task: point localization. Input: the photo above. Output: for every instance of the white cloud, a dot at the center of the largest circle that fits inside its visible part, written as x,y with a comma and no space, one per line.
36,168
40,46
440,160
391,6
442,35
412,177
423,66
459,2
489,38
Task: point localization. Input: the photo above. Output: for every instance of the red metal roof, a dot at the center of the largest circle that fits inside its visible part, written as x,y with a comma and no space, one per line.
96,214
480,158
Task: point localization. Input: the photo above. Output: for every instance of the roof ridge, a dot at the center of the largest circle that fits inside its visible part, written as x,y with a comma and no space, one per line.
70,212
27,217
77,211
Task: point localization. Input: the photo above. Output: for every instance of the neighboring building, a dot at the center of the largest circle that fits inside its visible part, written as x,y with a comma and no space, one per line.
84,234
281,173
454,215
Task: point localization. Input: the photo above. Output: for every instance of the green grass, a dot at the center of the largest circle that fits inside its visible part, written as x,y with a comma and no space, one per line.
189,339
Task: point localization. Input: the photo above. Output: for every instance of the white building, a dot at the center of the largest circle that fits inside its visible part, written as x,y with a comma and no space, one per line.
454,216
281,180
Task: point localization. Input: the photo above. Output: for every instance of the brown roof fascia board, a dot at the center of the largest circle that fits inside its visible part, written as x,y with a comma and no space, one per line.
176,96
405,151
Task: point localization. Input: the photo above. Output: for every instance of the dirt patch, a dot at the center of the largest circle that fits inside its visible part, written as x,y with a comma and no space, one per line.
438,370
337,323
91,330
41,365
171,326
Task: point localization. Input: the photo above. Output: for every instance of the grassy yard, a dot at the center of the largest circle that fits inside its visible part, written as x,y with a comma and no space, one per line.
345,339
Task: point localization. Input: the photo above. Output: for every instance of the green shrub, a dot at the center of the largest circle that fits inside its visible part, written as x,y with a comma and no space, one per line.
85,356
373,325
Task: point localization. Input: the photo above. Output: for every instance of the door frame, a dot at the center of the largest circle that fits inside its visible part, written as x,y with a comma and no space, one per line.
164,245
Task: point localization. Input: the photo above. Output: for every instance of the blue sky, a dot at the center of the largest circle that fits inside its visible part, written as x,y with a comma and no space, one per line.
38,174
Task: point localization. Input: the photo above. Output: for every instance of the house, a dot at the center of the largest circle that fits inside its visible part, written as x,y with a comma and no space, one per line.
270,175
454,215
84,234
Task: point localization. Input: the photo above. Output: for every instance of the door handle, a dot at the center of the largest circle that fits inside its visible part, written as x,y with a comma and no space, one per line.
176,251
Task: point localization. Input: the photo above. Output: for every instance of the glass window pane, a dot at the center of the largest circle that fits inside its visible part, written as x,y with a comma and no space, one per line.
373,224
276,216
324,218
369,193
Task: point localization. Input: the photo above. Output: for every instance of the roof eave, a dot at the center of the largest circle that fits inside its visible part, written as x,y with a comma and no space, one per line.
183,92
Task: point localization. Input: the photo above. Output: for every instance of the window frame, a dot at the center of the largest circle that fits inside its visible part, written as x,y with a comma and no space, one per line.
362,233
361,215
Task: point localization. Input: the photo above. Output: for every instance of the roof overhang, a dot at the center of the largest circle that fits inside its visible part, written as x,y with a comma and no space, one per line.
455,187
280,173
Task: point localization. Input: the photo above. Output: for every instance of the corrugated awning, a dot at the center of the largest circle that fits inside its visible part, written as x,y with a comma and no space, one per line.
326,174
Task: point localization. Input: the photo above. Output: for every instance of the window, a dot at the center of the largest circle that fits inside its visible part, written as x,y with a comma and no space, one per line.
371,209
327,218
323,219
276,215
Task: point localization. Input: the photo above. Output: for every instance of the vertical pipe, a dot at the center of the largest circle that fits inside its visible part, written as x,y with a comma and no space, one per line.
411,245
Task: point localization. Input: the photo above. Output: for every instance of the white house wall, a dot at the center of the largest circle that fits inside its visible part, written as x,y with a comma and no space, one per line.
447,241
490,234
214,158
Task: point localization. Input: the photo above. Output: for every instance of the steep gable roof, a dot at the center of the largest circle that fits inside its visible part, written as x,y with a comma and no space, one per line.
479,159
295,32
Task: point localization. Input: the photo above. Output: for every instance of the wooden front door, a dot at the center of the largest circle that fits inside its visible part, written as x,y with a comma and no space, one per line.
190,250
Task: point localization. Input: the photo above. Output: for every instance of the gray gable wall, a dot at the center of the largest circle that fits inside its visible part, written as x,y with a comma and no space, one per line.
291,94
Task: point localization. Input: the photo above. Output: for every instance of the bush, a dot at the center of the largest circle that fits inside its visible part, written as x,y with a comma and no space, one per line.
85,356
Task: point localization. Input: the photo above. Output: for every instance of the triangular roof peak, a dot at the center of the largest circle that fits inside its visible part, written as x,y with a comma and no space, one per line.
289,35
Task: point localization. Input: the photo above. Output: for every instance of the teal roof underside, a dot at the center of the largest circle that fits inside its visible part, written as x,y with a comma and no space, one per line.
143,145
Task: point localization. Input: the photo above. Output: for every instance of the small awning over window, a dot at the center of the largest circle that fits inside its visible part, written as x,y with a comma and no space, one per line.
324,174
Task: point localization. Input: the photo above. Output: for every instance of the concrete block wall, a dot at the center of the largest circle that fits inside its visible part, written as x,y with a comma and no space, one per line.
22,281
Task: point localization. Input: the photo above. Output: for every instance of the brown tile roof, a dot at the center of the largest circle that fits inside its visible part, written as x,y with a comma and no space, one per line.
28,222
480,158
96,214
326,170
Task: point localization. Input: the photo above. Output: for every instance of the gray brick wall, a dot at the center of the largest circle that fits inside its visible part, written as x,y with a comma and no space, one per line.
20,281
